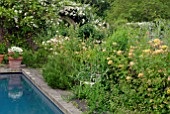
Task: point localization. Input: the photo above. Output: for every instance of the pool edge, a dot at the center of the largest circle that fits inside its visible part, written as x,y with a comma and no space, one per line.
36,78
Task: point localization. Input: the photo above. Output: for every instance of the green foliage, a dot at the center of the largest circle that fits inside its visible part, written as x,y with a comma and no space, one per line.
22,19
96,95
87,30
120,37
57,72
137,11
15,55
61,64
127,73
35,59
100,6
90,30
3,48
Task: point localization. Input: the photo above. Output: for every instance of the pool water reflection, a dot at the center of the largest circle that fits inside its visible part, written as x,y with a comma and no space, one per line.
19,96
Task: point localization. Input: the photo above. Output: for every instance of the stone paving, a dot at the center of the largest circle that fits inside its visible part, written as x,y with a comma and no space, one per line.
54,95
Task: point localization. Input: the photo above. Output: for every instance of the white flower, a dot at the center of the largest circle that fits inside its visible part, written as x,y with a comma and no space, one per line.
34,25
100,24
55,53
25,14
83,21
16,19
15,11
20,11
48,41
15,49
43,43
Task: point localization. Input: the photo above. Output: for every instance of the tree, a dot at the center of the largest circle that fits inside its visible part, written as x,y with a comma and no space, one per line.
99,6
138,10
21,19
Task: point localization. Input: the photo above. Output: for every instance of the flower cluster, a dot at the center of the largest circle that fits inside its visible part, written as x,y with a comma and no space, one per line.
131,51
99,23
157,47
80,13
55,43
15,49
74,10
15,52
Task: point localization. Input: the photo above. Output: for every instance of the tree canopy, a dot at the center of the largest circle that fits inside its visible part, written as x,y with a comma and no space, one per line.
22,18
139,10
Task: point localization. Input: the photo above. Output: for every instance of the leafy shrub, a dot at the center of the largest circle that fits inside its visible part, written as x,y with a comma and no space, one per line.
133,74
58,72
61,65
96,95
86,30
35,59
118,40
91,31
135,11
138,78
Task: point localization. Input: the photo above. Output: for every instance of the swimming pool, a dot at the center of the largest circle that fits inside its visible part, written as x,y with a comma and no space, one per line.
19,96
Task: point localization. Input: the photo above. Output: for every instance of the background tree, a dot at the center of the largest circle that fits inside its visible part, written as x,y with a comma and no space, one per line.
99,6
137,11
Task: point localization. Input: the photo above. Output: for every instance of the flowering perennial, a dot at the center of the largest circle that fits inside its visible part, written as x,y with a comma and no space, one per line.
14,49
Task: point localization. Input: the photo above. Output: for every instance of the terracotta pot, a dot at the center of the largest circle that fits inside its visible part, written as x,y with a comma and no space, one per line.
15,63
1,58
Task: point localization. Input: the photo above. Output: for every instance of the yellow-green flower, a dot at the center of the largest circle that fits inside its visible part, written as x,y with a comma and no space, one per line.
151,100
104,50
164,47
76,52
159,51
149,89
128,78
110,62
108,58
140,75
114,44
150,42
146,51
157,41
131,63
168,91
120,66
130,55
83,43
119,52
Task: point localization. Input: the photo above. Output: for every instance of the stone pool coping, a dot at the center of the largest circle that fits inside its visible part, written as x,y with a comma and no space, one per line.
55,95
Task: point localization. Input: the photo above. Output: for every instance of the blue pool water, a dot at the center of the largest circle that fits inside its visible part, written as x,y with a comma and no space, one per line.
19,96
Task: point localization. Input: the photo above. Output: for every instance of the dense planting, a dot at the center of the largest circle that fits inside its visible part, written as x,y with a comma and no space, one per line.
125,73
116,66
